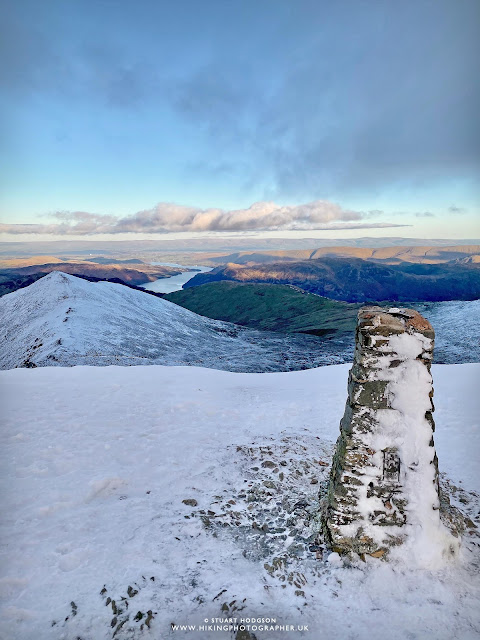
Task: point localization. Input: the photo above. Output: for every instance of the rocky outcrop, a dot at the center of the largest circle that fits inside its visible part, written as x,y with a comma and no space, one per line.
383,489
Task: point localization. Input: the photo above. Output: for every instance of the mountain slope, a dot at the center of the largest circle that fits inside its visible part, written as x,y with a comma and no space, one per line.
136,274
17,263
387,255
272,307
63,320
457,329
130,272
285,308
356,280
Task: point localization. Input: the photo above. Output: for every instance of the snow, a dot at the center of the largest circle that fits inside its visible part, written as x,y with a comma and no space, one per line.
457,329
96,461
408,346
428,540
404,426
61,320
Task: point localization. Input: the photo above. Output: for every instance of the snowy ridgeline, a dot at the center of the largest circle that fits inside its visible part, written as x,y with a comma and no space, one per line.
156,495
61,320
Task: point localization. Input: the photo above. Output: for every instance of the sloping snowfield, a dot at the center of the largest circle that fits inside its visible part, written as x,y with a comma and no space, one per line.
97,542
457,329
61,320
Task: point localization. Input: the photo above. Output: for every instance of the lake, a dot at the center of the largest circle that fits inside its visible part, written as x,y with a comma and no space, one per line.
174,283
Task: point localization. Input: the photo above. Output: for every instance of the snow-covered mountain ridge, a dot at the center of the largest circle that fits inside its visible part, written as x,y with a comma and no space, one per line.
61,320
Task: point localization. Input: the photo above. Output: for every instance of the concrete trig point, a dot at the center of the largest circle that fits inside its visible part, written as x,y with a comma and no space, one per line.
383,488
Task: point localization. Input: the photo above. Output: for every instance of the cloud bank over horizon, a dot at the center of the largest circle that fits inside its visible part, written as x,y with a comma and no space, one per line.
166,218
372,104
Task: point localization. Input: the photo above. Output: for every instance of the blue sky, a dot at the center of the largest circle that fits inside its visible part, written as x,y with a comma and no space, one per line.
116,108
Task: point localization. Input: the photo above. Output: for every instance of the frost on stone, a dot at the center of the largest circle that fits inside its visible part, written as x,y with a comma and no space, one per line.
383,489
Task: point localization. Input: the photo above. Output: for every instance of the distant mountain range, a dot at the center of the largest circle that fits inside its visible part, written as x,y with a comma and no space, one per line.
358,280
127,248
17,275
385,255
19,272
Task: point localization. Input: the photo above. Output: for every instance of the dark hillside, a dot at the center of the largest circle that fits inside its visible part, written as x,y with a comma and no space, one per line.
268,307
356,280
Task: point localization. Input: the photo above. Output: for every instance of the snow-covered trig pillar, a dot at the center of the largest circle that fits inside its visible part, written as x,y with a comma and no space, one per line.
383,488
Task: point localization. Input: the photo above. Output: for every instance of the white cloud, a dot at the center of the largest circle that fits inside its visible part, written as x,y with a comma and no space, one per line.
174,218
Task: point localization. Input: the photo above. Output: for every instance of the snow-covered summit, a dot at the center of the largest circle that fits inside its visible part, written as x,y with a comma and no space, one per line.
193,494
63,320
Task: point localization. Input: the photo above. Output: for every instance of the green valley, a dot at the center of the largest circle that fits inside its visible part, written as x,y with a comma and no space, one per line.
272,307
